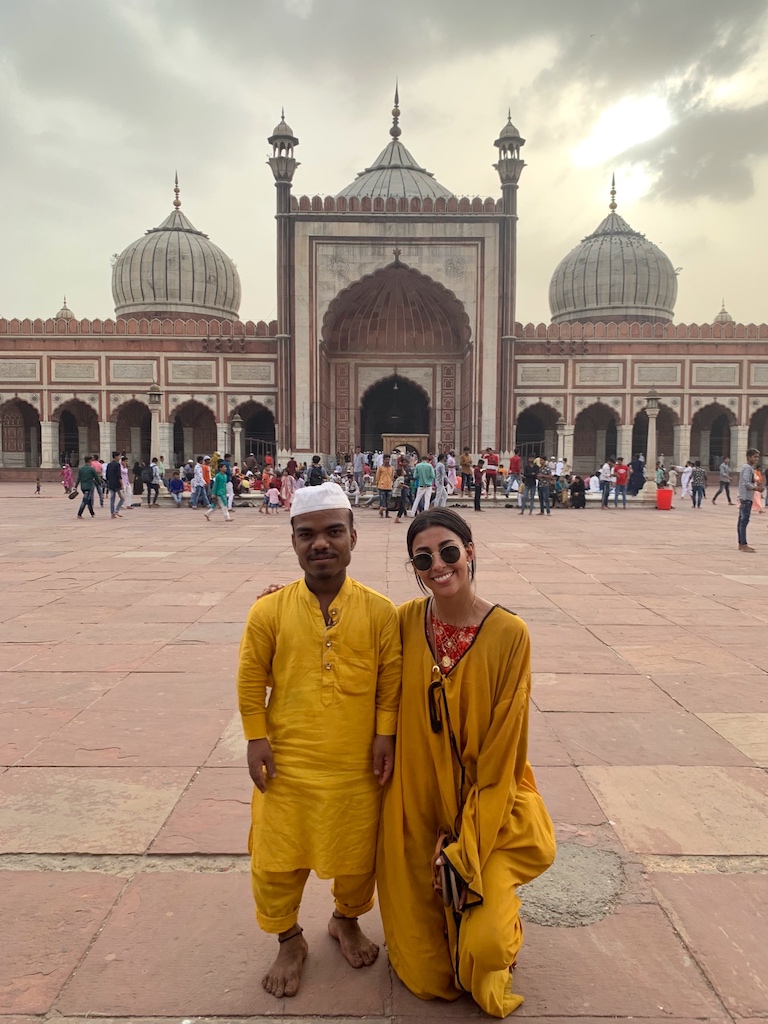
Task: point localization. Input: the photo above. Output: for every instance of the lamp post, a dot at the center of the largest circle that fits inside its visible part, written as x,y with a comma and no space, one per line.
237,431
652,410
155,400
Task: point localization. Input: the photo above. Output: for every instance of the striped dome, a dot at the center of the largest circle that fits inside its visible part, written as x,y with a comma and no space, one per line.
174,269
614,274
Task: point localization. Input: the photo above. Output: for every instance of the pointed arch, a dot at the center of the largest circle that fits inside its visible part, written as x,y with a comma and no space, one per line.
595,436
396,309
711,434
19,434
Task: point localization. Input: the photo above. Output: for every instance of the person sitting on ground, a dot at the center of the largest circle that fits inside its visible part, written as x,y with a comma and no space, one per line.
176,487
352,489
594,484
578,495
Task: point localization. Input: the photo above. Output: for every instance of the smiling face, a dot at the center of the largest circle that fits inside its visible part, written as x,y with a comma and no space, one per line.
324,542
444,579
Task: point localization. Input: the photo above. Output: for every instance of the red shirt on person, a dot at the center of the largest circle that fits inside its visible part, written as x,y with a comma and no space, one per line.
491,462
621,472
515,465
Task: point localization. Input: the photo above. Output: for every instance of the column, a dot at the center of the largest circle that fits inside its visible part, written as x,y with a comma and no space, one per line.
49,441
82,443
237,430
682,444
222,438
739,445
650,455
600,447
34,448
550,443
567,453
189,445
624,441
166,444
154,436
107,438
704,448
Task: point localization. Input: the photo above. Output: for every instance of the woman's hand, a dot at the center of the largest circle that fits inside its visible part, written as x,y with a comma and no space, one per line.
271,589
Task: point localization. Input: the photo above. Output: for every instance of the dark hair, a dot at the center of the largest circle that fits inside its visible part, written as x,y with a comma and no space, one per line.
449,520
752,451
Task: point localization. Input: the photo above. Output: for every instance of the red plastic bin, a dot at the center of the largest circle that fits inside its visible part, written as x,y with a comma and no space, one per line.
664,498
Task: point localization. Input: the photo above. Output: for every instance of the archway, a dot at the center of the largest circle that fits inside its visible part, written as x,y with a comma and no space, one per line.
393,406
536,430
78,431
19,435
194,431
711,434
133,430
758,431
666,422
594,437
259,437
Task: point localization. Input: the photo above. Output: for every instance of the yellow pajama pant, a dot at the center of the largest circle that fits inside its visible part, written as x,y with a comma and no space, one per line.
278,896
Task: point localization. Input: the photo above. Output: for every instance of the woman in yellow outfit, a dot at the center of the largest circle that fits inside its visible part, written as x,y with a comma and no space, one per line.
461,770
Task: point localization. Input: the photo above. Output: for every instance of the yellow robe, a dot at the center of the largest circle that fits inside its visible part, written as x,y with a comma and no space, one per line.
332,689
506,836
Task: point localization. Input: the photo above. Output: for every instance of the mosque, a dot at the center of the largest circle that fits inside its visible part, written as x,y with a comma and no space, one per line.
396,327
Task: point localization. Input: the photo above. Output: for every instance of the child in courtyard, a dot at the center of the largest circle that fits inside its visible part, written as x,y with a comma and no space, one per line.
273,497
219,494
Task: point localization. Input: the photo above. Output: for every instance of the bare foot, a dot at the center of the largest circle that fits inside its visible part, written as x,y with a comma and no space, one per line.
356,948
284,976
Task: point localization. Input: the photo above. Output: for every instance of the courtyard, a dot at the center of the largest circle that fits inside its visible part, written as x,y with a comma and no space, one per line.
124,797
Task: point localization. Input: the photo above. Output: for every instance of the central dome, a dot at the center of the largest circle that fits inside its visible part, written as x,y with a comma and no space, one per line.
174,269
395,173
614,274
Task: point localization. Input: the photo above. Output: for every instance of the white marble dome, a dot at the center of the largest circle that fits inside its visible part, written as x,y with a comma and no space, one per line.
175,269
614,274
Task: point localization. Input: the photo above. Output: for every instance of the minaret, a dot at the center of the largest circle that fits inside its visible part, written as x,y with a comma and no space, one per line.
284,164
510,167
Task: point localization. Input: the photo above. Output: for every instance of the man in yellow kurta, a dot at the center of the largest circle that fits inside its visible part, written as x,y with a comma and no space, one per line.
322,746
483,792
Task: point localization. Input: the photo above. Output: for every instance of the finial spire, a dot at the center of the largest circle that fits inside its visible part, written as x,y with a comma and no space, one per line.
509,115
282,113
177,190
612,204
65,303
395,131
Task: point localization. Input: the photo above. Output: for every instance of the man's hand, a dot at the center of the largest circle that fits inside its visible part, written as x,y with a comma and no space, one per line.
383,758
260,760
271,589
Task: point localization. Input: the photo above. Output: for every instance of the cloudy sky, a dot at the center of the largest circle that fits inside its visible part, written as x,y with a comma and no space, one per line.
102,100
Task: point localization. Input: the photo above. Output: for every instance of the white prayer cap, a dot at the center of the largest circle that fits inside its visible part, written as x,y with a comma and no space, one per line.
316,499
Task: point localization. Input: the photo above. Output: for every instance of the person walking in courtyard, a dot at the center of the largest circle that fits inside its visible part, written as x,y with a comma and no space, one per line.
724,481
385,476
424,475
478,472
545,488
115,485
636,476
515,469
461,776
322,747
491,471
467,474
67,479
441,482
685,479
698,483
359,462
606,479
219,494
530,478
87,481
621,475
748,485
199,489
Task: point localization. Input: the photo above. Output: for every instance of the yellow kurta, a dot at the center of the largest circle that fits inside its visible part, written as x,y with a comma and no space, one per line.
332,689
506,836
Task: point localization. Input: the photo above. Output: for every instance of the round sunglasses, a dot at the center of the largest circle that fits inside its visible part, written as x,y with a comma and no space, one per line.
450,554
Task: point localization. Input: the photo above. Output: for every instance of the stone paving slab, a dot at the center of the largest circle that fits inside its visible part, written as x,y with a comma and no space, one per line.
567,796
22,730
708,692
684,810
560,691
169,691
49,920
723,920
648,738
129,738
48,690
748,733
213,816
86,810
